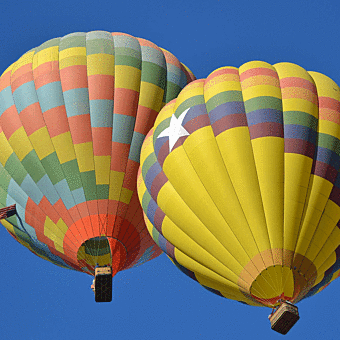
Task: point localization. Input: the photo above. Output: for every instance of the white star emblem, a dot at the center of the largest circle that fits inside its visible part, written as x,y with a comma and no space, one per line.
175,129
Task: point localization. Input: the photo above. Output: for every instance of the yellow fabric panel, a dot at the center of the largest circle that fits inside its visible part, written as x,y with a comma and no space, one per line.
286,70
84,153
260,90
116,182
147,148
221,87
260,80
20,143
166,112
46,55
125,195
254,64
269,161
205,156
102,167
319,190
266,283
236,150
327,252
151,96
230,292
24,60
182,216
193,192
297,104
41,142
100,64
323,263
193,89
55,234
185,245
288,281
6,149
127,77
297,172
8,226
72,61
64,147
196,267
326,86
328,221
72,52
330,128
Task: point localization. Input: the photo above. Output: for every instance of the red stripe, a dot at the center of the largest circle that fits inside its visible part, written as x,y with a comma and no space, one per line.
259,71
32,118
80,127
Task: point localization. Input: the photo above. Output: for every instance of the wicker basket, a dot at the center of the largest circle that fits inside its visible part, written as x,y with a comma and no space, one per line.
284,318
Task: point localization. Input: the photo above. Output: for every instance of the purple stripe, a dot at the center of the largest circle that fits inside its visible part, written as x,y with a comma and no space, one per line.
151,211
163,153
335,197
300,132
197,123
264,116
170,250
179,142
325,171
229,122
299,146
159,143
157,185
150,176
266,130
226,109
158,219
194,112
328,156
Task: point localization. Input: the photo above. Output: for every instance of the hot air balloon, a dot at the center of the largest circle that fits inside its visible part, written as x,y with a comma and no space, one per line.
73,115
240,184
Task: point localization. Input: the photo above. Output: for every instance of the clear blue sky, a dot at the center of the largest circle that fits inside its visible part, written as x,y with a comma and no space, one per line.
156,301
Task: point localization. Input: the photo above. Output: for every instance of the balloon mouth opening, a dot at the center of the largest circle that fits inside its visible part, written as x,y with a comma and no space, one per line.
101,251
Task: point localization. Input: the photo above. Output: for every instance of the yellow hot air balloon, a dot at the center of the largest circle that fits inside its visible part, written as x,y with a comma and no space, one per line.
239,182
73,115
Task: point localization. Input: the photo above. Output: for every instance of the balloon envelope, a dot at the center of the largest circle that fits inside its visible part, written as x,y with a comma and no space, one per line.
240,186
73,115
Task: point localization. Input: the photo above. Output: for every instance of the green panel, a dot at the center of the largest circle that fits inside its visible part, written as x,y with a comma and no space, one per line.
102,191
154,74
146,200
15,169
172,91
4,178
190,102
71,172
33,166
95,46
52,167
224,97
264,102
329,142
160,127
128,52
128,61
47,44
88,180
73,41
148,163
300,118
155,235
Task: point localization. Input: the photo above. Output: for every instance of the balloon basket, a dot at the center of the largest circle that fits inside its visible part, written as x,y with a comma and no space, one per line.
103,284
284,318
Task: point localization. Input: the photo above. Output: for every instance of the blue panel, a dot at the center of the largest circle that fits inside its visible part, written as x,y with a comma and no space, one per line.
79,195
77,102
136,145
65,194
6,99
101,111
122,128
17,195
25,96
31,189
47,188
50,96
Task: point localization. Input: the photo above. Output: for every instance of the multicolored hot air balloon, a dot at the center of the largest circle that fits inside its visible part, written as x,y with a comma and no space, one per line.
73,115
240,183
